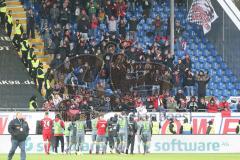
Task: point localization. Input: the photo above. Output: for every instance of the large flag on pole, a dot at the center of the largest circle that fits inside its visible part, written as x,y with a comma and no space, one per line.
202,13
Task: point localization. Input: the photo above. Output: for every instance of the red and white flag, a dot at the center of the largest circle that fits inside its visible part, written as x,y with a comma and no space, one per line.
202,13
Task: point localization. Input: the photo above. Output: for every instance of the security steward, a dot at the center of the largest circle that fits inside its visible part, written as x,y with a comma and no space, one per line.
40,77
34,64
33,103
171,129
30,58
19,130
186,128
132,130
47,81
238,128
210,128
18,34
25,49
9,19
155,126
3,10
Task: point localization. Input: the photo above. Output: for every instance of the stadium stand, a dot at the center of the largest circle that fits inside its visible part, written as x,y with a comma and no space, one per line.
75,29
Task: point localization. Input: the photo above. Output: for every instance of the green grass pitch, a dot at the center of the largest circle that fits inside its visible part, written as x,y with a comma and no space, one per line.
129,157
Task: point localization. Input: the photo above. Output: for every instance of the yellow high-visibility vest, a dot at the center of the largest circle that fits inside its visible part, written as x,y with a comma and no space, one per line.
212,131
40,75
48,84
3,9
168,129
239,129
23,48
9,19
18,29
35,64
155,127
29,55
186,127
31,108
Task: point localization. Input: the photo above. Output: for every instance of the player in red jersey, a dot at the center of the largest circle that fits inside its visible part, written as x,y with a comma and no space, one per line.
47,125
101,134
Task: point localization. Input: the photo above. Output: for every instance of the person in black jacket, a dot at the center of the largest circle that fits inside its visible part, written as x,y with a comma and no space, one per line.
19,130
132,130
202,80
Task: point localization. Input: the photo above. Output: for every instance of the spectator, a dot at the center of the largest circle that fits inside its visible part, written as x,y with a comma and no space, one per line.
146,5
238,106
157,24
202,80
92,8
176,82
64,16
101,15
178,31
83,26
202,105
54,13
30,24
192,105
187,62
181,101
224,105
112,24
133,22
189,83
44,12
122,28
94,25
212,106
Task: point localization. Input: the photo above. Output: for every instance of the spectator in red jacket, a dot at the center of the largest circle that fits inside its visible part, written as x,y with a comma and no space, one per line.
224,105
212,106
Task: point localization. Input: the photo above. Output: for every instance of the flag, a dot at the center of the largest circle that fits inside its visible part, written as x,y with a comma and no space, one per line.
202,13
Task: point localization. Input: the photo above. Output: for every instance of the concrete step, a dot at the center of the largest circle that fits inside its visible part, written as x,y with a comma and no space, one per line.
39,47
39,53
23,19
19,15
36,40
13,3
14,9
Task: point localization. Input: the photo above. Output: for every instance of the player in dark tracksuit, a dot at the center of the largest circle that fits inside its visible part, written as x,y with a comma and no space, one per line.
132,130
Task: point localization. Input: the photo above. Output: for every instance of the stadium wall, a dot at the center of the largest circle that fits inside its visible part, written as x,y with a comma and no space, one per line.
159,144
199,121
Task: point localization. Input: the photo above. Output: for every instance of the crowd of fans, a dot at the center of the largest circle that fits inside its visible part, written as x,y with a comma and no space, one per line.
107,80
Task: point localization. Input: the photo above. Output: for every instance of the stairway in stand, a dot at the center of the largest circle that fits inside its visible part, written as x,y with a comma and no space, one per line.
19,12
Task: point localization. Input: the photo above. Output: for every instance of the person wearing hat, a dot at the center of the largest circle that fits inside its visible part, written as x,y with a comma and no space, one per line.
192,105
40,77
212,106
33,103
186,128
210,128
